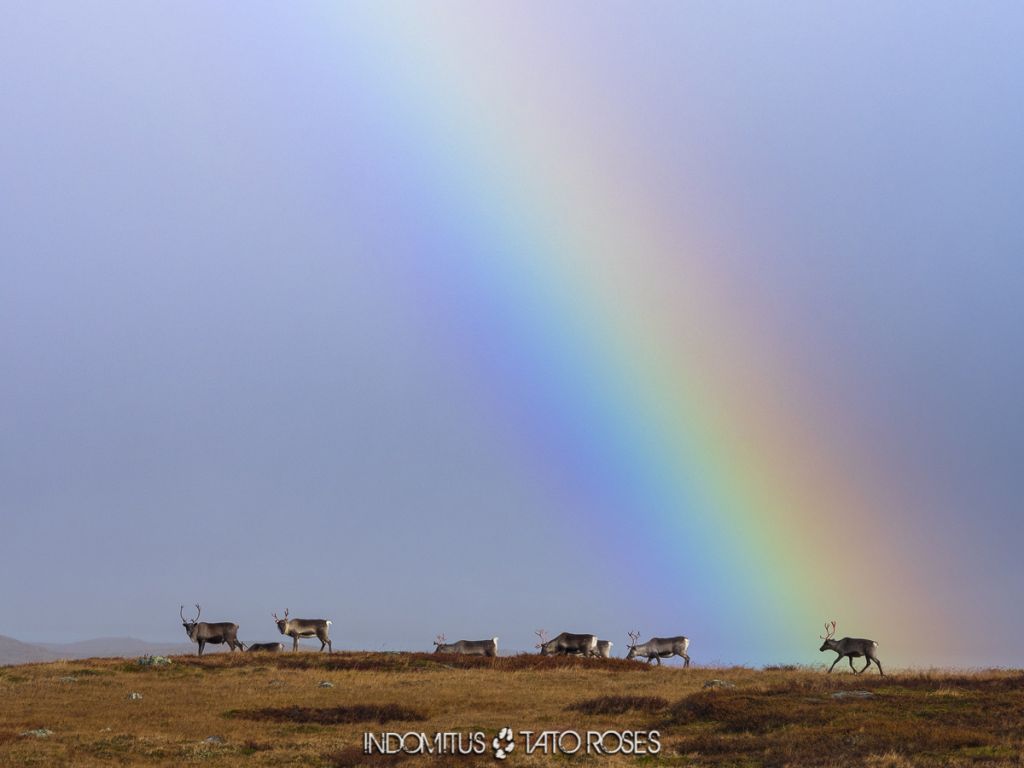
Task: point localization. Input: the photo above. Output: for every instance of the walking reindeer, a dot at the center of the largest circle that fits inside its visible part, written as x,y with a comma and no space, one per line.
851,647
296,628
658,648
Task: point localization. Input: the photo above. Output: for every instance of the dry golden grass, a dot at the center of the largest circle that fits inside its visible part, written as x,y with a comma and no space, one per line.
269,710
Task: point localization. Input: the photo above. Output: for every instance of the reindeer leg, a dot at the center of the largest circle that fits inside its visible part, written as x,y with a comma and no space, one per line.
686,660
851,664
838,658
872,658
295,643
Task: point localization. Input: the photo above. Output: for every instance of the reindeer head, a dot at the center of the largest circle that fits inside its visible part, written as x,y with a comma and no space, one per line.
830,631
282,624
633,638
190,625
543,644
438,642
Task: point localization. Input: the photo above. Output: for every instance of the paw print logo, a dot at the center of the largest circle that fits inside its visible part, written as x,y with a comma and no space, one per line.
503,743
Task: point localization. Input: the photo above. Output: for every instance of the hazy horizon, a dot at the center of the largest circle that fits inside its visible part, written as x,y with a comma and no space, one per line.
692,319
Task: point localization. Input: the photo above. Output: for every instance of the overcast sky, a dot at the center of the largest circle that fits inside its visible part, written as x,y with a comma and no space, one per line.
228,375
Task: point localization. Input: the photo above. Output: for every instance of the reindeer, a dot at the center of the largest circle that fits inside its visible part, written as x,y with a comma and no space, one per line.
202,632
603,650
566,643
658,648
467,647
296,628
266,647
851,647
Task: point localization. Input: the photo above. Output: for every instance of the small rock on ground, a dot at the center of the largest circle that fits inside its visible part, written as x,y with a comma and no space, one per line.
718,684
39,733
325,684
853,695
214,739
133,696
149,661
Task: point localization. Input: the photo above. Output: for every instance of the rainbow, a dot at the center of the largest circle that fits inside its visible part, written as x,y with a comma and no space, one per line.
630,365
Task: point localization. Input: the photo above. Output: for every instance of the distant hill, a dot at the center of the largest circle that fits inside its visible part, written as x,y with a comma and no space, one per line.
16,652
116,646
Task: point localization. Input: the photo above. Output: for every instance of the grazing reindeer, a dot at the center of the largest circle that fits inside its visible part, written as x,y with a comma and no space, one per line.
851,647
203,632
658,648
603,650
467,647
296,628
566,643
267,647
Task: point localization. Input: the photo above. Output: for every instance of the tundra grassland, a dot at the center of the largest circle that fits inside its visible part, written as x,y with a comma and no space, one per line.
272,710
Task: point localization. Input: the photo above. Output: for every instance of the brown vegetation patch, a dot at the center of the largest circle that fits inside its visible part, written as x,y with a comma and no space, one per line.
358,713
353,757
618,705
745,712
387,662
799,722
931,681
849,744
250,747
394,662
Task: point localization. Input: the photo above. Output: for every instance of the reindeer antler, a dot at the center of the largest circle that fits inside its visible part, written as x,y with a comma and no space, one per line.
440,640
181,612
830,630
198,611
543,635
633,637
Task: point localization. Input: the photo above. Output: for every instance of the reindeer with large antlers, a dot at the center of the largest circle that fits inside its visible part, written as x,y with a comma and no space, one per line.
658,648
850,647
203,632
296,628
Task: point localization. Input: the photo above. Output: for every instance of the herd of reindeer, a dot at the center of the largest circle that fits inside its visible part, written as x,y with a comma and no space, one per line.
566,643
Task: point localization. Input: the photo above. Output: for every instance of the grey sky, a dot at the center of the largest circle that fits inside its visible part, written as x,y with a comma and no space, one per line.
228,376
